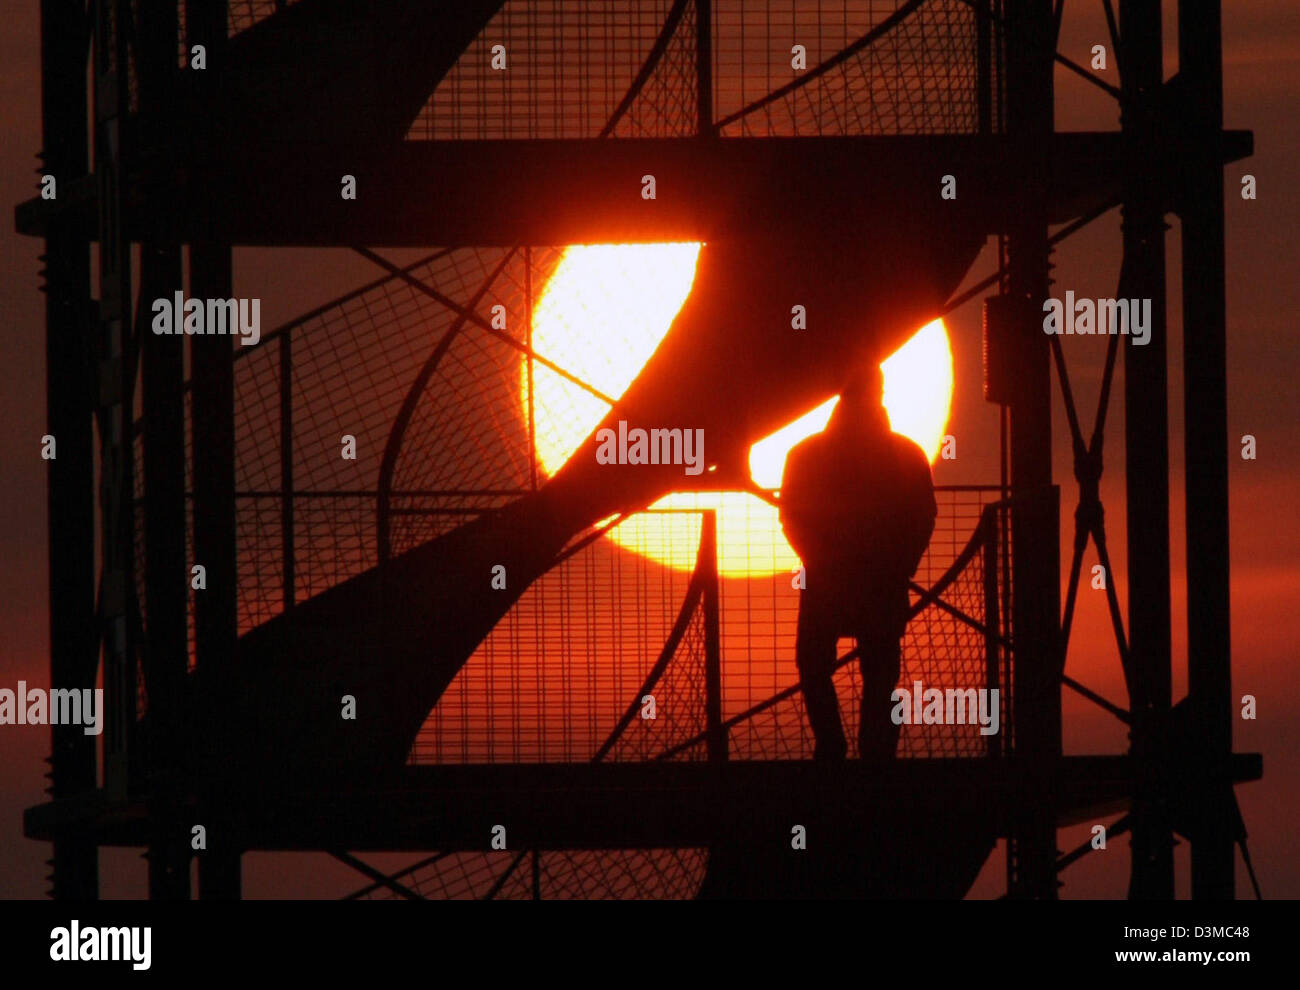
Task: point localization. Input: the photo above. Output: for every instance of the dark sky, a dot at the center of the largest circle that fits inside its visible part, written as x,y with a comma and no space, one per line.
1262,82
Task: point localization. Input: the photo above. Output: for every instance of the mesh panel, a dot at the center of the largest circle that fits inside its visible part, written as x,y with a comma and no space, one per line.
568,65
240,16
586,875
679,705
555,676
243,14
671,874
470,413
457,876
666,105
351,365
918,77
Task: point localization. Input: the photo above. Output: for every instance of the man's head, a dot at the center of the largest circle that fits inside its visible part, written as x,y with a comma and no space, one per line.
861,404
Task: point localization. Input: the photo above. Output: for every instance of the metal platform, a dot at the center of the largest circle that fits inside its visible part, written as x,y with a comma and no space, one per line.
628,805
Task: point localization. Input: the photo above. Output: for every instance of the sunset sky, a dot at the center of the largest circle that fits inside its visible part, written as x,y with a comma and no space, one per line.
1262,91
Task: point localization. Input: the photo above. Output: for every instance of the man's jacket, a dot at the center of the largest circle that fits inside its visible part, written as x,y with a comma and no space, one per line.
858,508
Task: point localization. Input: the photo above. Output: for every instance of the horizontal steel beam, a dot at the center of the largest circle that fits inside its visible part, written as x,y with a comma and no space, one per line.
621,805
590,191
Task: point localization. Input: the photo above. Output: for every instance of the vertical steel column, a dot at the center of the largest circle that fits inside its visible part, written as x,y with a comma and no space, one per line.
717,735
704,66
288,543
213,397
1146,448
1035,536
69,324
1205,412
532,397
984,65
115,376
992,620
166,574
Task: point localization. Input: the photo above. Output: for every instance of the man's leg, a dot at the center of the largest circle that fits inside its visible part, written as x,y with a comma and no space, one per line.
881,656
815,658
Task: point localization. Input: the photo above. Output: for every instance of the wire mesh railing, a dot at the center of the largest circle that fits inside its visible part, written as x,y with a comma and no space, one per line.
774,69
957,635
614,639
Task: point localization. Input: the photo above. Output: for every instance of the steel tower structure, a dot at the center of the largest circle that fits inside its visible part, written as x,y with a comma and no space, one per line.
250,150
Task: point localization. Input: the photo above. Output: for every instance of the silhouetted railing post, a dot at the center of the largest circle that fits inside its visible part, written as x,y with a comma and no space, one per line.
708,570
992,620
704,66
984,65
286,469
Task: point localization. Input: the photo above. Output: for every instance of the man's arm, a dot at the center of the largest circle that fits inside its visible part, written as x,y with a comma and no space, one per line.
921,503
797,502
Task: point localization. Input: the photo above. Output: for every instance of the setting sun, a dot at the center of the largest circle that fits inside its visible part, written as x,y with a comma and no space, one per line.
602,314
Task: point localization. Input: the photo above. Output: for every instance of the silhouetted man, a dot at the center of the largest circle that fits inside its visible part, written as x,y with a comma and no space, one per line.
857,505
